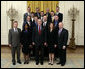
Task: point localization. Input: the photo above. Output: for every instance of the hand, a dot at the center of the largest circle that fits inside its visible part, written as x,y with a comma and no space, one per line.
33,43
55,45
64,47
45,43
10,45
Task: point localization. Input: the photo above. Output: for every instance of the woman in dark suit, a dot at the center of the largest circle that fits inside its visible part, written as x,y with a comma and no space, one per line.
26,38
51,42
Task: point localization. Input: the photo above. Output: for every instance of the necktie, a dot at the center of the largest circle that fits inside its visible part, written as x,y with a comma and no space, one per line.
39,30
59,32
16,30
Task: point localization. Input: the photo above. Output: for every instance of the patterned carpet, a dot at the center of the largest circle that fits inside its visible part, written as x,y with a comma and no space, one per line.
74,60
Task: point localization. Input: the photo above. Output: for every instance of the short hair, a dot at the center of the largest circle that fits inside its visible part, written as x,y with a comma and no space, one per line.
36,16
15,22
45,15
56,15
42,11
58,7
32,12
28,7
52,11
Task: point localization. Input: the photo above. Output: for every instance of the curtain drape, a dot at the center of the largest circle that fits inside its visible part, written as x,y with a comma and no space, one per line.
43,5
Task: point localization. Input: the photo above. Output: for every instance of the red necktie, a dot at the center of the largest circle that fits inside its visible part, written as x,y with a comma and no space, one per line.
39,30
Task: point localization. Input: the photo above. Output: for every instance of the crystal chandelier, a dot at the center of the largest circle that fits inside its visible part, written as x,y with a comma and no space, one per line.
12,13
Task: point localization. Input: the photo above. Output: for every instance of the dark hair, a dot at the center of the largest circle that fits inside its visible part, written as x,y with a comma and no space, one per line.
29,16
32,12
36,16
24,26
56,15
52,11
49,25
28,7
45,15
42,11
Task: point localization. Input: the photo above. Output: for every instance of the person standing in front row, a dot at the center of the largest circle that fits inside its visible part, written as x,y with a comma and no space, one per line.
26,38
38,39
62,43
51,39
14,42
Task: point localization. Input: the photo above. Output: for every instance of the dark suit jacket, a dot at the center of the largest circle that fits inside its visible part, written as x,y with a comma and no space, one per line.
26,37
14,37
31,24
38,39
51,37
63,38
47,25
37,14
60,15
49,17
25,16
56,25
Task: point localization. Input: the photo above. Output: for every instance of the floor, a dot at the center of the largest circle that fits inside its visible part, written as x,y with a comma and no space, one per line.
75,59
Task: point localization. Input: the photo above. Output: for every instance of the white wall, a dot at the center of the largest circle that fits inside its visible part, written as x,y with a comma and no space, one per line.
79,23
21,6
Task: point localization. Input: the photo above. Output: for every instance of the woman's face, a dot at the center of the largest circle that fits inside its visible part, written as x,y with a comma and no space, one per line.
26,26
51,25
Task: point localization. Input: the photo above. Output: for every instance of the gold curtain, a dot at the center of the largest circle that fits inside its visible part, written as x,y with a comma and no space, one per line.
43,5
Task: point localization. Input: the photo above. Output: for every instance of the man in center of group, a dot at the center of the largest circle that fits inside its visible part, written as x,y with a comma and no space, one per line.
38,39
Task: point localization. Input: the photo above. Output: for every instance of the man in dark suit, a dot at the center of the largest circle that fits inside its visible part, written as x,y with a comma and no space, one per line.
45,25
27,14
41,15
62,43
60,15
14,42
48,15
29,22
37,13
35,21
38,39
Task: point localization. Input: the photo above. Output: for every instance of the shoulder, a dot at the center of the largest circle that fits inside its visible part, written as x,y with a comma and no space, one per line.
10,29
65,30
19,29
25,13
61,13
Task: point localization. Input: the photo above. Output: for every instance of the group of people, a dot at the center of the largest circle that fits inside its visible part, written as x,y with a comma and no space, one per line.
43,34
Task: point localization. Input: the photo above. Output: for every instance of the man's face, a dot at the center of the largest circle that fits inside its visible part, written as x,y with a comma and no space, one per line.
39,22
56,17
28,9
35,18
28,18
42,13
32,15
52,13
47,10
45,18
57,9
37,10
15,25
60,25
